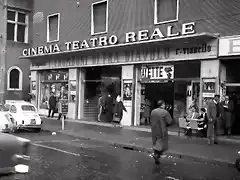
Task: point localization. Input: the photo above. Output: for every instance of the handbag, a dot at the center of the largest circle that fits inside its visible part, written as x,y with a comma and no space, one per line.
159,146
116,119
55,110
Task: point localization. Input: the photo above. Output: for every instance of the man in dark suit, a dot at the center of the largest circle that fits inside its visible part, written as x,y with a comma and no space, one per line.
52,105
214,115
228,113
203,124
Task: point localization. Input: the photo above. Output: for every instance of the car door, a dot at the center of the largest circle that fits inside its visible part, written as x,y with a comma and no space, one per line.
13,112
2,122
8,147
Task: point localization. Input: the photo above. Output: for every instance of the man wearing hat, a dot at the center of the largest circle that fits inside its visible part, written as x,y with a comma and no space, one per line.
214,115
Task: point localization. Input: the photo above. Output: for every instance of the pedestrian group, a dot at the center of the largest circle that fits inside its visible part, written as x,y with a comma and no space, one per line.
216,112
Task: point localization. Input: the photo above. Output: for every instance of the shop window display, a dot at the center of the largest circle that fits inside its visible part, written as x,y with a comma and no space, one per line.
60,90
56,82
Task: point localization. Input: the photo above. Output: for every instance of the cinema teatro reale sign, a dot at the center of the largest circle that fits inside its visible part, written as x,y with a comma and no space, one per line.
104,41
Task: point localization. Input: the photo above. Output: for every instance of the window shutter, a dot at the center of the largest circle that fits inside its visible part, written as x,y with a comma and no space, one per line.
53,28
100,17
166,10
14,79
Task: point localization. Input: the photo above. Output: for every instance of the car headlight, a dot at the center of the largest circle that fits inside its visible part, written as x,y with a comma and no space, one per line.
21,168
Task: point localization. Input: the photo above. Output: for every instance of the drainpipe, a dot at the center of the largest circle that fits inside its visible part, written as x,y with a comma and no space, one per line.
3,48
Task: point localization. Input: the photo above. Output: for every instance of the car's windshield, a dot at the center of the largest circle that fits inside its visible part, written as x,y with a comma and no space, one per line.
3,108
28,108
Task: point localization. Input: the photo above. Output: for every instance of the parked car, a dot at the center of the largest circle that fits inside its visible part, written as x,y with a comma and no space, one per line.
25,115
14,153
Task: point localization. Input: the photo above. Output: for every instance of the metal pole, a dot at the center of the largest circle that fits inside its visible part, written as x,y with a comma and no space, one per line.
63,119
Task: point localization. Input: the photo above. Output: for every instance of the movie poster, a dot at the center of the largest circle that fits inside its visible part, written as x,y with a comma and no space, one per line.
127,90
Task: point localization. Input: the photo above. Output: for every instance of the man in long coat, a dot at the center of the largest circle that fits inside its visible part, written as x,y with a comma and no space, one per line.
214,114
160,119
228,115
52,104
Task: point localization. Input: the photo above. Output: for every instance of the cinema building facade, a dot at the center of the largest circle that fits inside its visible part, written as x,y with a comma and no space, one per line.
150,56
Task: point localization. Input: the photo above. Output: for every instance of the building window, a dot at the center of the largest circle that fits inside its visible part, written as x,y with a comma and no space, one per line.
99,17
53,26
17,26
14,76
166,11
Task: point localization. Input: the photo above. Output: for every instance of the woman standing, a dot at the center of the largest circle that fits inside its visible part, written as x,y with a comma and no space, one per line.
118,110
147,111
160,119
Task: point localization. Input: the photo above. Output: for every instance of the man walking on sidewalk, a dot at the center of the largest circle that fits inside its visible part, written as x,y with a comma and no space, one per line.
214,114
160,119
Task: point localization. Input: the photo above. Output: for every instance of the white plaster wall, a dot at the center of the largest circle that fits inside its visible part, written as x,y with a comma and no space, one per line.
137,98
223,78
34,78
223,73
81,87
34,75
72,105
210,68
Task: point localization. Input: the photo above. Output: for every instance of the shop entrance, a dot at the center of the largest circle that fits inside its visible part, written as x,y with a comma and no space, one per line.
98,81
233,91
153,92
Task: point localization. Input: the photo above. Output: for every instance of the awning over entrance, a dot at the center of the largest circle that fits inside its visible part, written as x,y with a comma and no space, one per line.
168,42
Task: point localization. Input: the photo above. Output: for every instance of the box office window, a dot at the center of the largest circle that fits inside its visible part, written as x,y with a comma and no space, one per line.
166,11
99,20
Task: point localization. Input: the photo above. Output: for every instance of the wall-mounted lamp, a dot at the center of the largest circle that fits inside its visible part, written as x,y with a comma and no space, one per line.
78,3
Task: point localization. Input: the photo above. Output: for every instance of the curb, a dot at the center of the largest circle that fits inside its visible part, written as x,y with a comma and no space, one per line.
171,133
133,147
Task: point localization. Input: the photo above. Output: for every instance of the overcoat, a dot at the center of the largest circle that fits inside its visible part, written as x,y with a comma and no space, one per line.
215,124
160,119
228,114
118,109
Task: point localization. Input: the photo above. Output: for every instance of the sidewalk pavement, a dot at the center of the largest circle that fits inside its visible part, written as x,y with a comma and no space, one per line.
138,139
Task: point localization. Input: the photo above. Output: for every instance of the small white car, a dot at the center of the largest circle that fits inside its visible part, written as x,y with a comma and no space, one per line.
25,115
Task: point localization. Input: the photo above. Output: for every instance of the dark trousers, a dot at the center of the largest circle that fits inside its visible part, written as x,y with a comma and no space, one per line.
157,153
51,110
212,130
